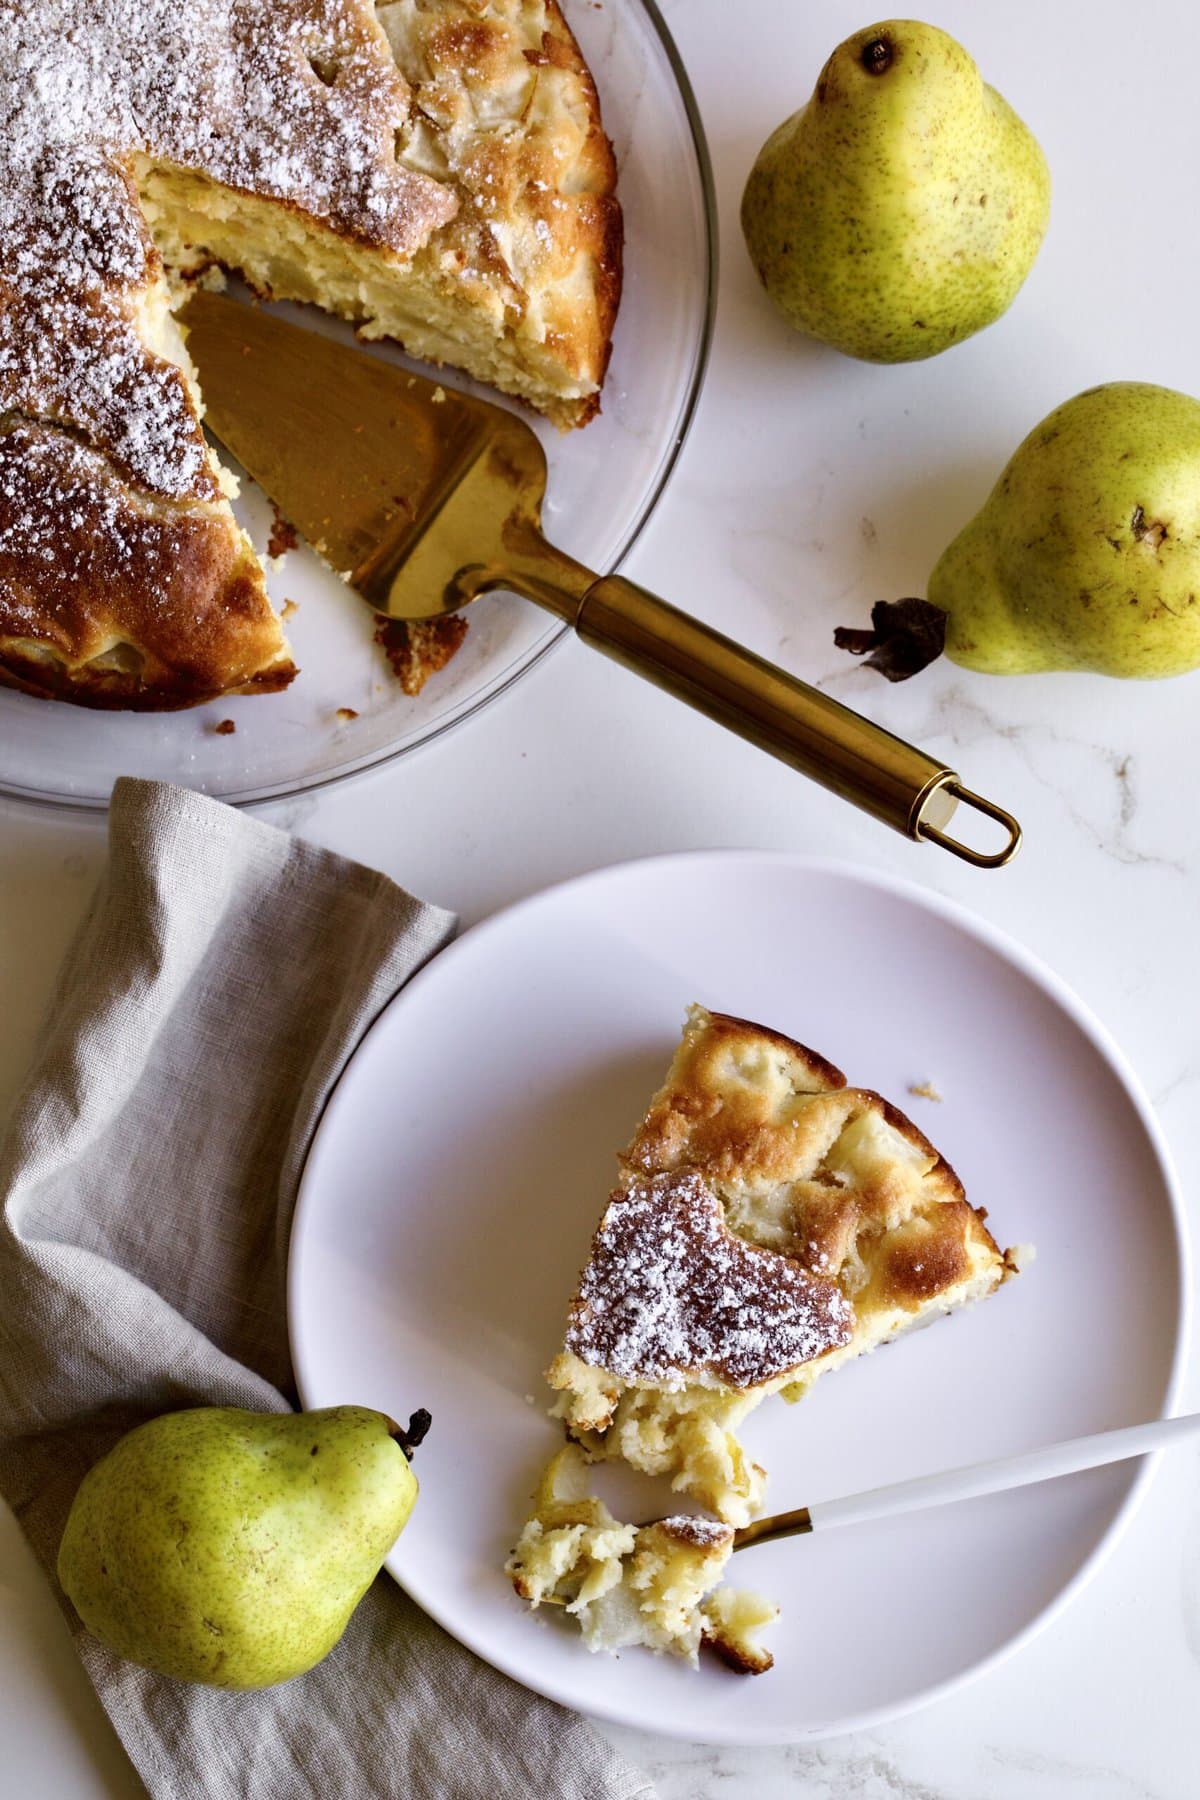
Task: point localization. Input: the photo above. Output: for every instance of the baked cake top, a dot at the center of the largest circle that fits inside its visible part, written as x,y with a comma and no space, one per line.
298,101
670,1295
831,1176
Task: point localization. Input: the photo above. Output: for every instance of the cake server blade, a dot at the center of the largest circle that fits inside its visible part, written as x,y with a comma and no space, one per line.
423,497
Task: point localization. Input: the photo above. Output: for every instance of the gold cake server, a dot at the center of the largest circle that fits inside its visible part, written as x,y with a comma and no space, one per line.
424,498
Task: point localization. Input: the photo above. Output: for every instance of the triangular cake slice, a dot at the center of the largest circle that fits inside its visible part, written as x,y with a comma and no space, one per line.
770,1224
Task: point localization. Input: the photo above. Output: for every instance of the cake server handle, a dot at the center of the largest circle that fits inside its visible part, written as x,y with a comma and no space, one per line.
810,731
1023,1470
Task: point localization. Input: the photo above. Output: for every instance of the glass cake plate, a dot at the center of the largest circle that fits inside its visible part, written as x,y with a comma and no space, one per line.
604,484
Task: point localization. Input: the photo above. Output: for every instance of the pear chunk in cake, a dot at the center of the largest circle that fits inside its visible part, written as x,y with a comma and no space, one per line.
770,1223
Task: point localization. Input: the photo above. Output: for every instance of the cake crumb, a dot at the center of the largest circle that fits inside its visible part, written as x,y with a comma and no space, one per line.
226,728
283,536
925,1090
346,713
418,648
289,608
438,395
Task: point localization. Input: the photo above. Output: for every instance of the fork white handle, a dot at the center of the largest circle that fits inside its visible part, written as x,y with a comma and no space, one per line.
996,1477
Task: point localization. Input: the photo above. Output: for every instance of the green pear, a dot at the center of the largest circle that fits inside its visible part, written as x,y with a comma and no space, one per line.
1087,552
901,209
231,1547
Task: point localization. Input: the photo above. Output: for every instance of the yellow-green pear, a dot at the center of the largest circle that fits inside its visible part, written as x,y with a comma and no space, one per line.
1087,552
901,209
231,1547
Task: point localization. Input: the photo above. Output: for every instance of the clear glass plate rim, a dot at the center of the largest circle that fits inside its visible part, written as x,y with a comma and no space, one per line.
528,659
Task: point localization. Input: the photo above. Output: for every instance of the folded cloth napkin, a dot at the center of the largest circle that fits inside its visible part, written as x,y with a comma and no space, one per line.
222,977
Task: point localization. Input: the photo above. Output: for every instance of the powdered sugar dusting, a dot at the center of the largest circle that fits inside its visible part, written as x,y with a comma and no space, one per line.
85,367
69,528
669,1294
296,100
705,1534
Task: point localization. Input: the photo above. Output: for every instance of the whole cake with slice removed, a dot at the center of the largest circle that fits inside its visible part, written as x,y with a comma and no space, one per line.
434,170
770,1223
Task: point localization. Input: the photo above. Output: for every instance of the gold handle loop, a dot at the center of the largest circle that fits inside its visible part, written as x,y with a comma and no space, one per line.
977,858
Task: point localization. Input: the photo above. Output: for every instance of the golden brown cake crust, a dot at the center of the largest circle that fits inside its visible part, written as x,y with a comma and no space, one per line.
737,1656
175,578
752,1127
538,236
297,102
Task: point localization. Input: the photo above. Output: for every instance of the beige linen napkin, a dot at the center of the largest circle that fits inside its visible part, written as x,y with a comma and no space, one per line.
220,981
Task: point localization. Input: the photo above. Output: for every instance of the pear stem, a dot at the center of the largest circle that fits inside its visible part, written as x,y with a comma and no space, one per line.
905,636
410,1435
877,56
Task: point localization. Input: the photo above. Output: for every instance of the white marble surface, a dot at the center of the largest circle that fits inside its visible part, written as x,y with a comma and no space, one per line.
810,486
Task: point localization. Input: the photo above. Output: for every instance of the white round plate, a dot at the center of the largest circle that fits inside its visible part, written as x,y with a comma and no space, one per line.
603,486
463,1162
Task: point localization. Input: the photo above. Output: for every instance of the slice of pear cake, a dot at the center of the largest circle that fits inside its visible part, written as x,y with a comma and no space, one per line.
770,1223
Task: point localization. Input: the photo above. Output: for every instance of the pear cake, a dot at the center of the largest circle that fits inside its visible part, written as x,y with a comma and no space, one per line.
435,171
770,1223
657,1585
